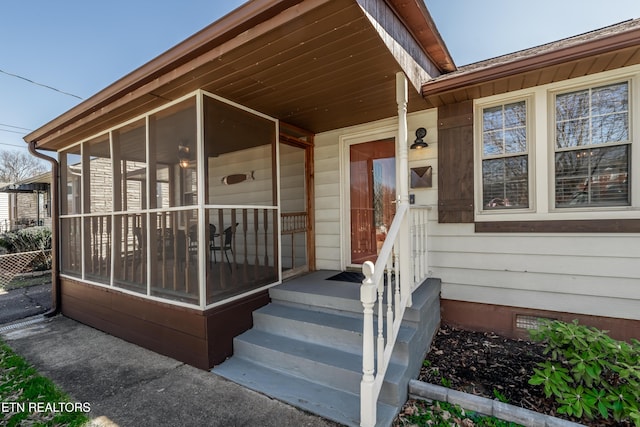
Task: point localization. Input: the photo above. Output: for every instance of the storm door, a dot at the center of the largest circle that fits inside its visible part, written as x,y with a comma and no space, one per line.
372,172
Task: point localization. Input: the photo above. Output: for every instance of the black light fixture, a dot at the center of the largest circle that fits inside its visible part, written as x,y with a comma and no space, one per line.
419,143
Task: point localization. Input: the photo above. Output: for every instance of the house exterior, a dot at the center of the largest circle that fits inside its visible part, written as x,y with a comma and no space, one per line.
565,243
273,143
28,202
4,210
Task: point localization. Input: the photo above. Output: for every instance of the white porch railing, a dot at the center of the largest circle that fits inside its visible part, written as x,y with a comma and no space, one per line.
401,266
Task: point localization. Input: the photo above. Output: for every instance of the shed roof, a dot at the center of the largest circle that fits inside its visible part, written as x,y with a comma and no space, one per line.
34,187
316,64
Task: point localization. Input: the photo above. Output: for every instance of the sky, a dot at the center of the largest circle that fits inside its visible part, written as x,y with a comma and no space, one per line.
79,47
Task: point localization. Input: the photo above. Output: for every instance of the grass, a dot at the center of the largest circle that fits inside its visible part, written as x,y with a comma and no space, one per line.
26,281
441,414
22,389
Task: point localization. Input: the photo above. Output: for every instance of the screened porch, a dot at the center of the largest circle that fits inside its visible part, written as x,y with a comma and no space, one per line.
182,204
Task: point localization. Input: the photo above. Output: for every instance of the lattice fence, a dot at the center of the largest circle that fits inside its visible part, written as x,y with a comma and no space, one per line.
14,264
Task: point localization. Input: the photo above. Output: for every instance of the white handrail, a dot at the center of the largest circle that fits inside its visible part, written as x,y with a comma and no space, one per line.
403,263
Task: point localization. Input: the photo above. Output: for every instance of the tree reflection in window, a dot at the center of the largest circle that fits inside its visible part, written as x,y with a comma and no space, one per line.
592,147
505,162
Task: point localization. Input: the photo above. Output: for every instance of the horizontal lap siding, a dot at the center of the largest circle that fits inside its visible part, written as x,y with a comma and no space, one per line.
594,274
584,273
327,200
256,191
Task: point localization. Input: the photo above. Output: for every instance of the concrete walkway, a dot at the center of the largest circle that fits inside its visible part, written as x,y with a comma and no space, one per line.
24,302
127,385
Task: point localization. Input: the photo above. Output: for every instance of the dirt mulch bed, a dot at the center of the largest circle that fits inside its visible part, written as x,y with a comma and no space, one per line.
489,365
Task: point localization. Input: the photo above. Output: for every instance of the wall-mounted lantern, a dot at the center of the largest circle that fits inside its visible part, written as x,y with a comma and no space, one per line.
419,142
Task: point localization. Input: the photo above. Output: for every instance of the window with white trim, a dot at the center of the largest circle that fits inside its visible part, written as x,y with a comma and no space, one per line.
592,147
505,157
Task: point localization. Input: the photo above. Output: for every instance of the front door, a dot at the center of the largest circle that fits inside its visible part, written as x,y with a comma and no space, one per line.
372,172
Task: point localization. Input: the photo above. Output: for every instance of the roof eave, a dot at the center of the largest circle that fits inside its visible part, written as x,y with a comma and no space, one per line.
524,64
416,17
225,28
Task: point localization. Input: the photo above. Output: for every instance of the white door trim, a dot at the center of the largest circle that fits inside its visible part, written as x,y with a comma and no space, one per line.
346,141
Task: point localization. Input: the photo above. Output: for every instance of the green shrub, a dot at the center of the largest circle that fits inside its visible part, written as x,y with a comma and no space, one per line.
590,374
27,240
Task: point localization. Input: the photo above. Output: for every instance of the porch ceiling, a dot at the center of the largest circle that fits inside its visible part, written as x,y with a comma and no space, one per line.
316,64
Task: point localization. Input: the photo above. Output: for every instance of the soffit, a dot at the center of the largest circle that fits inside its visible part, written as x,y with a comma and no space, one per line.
318,65
598,51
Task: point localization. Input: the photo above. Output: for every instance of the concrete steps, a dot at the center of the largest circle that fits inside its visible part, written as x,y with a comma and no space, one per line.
305,348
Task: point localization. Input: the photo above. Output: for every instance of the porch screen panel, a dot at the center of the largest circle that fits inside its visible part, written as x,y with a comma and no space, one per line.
240,149
130,167
70,209
242,251
130,263
174,251
98,198
98,194
71,179
71,246
173,160
98,246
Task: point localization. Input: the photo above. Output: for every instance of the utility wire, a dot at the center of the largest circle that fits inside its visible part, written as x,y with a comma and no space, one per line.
12,131
15,127
40,84
14,145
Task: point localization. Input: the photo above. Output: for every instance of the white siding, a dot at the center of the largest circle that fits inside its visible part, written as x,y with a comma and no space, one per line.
4,210
254,192
594,274
330,245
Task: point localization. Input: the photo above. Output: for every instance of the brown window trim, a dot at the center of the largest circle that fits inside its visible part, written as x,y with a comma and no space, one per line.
561,226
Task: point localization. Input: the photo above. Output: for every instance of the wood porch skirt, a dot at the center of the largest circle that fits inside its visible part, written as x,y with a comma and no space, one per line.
198,338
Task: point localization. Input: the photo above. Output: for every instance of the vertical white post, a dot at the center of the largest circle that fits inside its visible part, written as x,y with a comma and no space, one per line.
402,162
390,300
402,167
367,393
380,342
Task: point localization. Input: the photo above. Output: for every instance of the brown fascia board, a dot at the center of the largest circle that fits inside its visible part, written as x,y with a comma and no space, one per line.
524,63
417,19
229,26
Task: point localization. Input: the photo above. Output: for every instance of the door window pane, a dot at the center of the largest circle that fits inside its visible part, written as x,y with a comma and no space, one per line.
372,197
